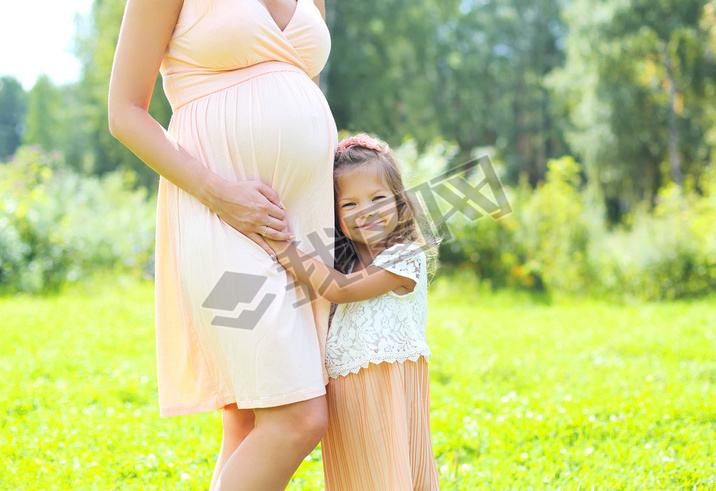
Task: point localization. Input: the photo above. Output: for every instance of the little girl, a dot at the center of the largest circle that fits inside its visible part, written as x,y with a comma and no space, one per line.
376,353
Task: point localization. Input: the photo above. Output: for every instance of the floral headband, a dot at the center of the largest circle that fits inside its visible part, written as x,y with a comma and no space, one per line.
360,140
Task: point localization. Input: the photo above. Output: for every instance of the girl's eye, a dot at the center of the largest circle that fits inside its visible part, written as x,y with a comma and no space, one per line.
378,197
344,205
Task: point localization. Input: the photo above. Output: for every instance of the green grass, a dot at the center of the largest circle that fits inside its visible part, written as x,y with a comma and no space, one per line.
527,393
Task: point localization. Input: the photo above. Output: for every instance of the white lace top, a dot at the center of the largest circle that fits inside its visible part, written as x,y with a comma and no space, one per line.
387,328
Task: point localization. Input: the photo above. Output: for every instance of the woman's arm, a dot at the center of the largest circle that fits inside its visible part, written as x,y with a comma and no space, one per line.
321,5
251,207
333,285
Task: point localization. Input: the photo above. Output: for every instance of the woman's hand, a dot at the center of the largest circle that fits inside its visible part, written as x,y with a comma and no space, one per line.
252,208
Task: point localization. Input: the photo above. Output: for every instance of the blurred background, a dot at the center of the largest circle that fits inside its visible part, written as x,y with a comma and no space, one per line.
600,118
573,339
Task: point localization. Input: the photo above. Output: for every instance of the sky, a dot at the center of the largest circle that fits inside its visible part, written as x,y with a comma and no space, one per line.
36,37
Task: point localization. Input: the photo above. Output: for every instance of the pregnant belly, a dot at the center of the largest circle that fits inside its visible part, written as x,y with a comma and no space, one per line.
275,127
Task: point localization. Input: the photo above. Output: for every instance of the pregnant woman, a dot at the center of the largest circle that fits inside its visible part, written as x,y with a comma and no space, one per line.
249,149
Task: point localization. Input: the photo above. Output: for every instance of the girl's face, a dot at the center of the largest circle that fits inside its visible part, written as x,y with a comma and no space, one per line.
366,207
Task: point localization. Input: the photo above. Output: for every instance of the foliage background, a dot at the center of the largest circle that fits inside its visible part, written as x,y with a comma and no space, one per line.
626,87
601,117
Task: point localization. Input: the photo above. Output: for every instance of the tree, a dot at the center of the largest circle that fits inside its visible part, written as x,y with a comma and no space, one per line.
42,115
636,88
12,114
674,47
382,72
492,62
469,71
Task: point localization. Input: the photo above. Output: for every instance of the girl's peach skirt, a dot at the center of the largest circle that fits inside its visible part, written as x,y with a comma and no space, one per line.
378,437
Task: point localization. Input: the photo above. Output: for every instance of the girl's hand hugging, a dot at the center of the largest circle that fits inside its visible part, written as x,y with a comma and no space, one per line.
279,246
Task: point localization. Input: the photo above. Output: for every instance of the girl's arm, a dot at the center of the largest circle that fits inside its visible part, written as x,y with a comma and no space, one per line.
147,27
333,285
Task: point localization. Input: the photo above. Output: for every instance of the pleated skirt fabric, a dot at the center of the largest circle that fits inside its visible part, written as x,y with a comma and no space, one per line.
277,128
378,437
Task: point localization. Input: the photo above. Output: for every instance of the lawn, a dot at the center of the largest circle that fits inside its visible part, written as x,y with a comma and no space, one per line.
527,393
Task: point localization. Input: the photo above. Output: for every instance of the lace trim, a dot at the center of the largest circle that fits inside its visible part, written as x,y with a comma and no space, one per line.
336,372
402,259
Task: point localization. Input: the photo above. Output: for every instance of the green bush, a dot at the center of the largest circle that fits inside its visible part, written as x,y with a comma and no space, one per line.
669,252
557,239
542,245
553,228
58,226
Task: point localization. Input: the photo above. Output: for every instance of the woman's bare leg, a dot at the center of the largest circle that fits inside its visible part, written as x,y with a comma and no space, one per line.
237,424
281,438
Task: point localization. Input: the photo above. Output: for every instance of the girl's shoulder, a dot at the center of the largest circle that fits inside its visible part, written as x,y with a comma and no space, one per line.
408,251
405,259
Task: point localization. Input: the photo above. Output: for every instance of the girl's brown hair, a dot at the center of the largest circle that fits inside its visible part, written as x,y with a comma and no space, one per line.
413,224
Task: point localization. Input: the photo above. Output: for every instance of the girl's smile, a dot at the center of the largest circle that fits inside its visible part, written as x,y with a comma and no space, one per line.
370,225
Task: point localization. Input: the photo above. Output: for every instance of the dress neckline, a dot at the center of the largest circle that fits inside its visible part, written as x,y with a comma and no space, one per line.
290,21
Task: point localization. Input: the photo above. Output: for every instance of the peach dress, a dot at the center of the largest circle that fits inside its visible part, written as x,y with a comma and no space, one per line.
378,434
245,106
